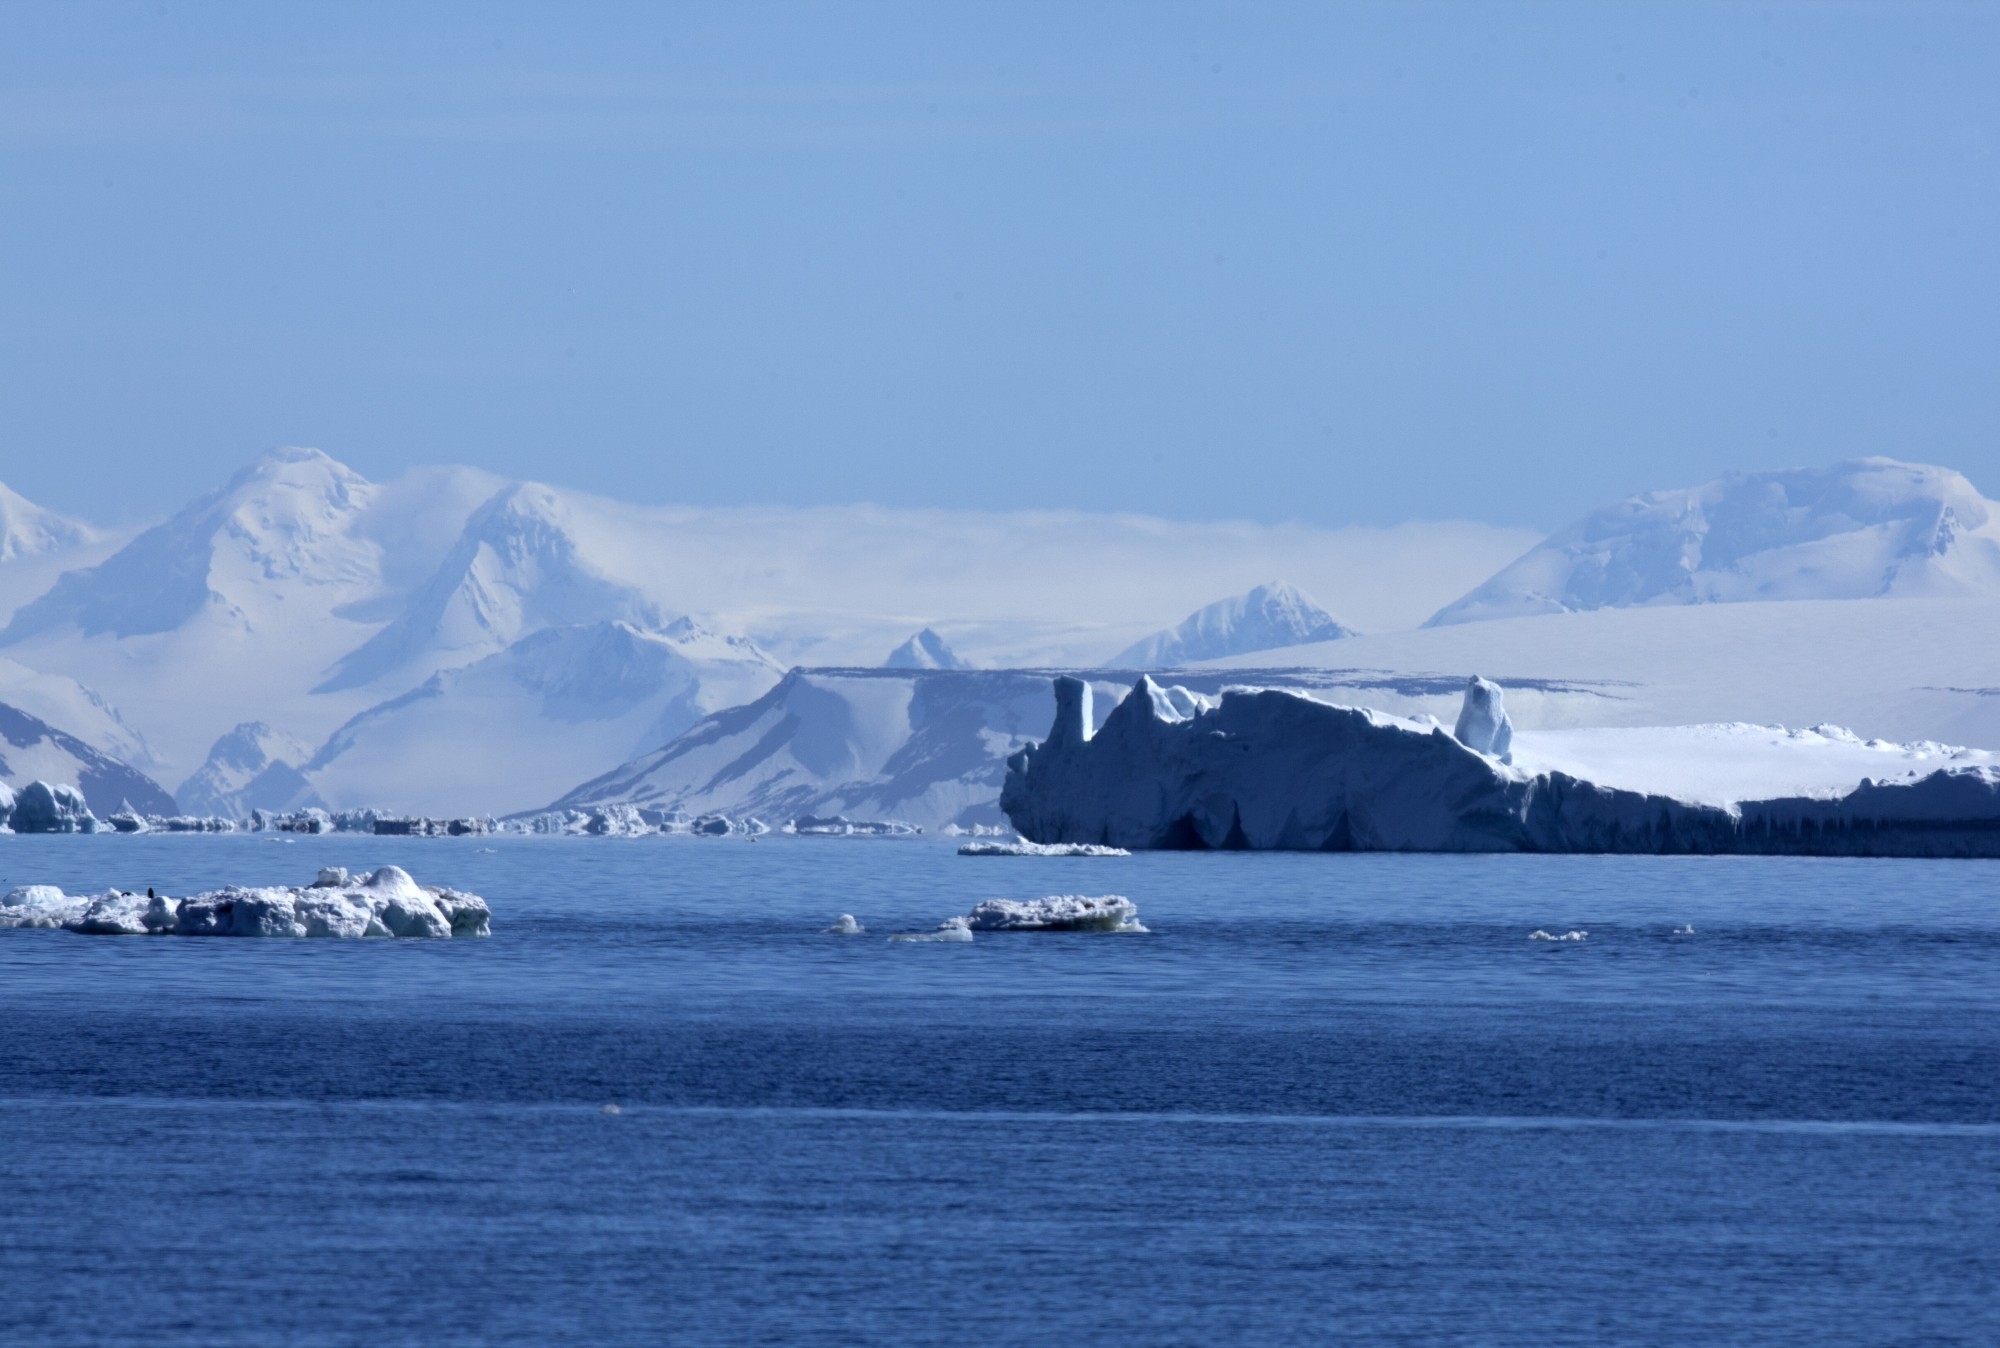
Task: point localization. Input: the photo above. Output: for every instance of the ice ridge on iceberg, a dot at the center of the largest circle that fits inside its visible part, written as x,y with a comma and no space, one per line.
384,903
1274,769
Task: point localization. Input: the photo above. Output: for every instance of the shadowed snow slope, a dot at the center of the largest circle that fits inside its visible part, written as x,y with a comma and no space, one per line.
33,750
1268,618
64,702
1864,528
28,530
37,545
1277,769
929,747
925,650
518,566
558,705
253,767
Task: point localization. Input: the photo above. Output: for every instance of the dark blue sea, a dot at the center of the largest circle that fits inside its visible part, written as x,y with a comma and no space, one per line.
1327,1099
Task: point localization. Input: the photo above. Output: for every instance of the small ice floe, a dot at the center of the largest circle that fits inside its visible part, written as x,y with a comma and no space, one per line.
1539,935
1021,847
1687,930
385,903
952,929
845,926
1059,912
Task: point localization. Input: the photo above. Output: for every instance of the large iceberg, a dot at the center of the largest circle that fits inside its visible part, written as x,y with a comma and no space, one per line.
1272,768
384,903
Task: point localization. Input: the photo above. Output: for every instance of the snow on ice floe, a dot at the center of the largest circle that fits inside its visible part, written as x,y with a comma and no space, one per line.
383,903
1058,912
1021,847
953,930
1272,768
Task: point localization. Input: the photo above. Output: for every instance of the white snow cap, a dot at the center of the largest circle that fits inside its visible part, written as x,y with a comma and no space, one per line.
925,650
1857,530
1482,721
1269,617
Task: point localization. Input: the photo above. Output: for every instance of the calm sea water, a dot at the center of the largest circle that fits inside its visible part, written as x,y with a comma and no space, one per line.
1327,1099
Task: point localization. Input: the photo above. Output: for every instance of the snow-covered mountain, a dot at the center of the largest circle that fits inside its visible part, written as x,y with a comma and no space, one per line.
244,599
1268,618
37,545
33,750
1860,529
560,704
28,530
925,650
929,746
301,596
62,701
519,565
253,767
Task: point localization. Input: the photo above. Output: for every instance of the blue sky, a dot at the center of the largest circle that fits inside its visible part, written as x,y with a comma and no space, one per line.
1337,263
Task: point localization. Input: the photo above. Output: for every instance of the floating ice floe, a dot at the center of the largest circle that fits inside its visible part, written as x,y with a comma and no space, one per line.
1023,848
1059,912
384,903
1551,936
1275,768
838,826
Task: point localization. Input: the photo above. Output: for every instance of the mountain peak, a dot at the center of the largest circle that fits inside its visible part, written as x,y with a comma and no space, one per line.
29,530
518,566
283,519
1857,529
1271,616
925,650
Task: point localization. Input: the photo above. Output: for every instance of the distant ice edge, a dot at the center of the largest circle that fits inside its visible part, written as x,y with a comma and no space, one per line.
1269,769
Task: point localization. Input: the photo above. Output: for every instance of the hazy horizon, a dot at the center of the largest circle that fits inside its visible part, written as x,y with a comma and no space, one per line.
1340,266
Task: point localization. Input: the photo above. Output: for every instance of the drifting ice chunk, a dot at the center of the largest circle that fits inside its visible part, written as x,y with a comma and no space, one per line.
952,929
1483,726
41,808
1061,912
386,903
39,906
1024,848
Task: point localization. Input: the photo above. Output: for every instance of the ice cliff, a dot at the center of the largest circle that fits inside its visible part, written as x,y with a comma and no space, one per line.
1270,768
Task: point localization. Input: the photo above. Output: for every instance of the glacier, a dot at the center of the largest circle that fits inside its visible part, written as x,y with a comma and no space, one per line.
1267,768
382,903
1269,617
